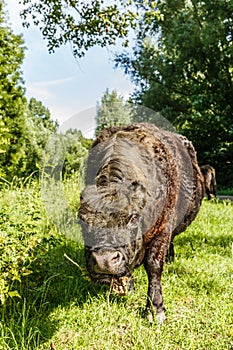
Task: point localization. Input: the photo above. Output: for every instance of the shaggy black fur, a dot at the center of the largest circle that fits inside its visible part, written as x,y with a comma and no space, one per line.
143,187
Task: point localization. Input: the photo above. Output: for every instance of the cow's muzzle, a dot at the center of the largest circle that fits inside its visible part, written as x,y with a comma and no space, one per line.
106,261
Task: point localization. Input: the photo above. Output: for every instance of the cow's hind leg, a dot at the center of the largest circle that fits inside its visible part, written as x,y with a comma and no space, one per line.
154,267
170,257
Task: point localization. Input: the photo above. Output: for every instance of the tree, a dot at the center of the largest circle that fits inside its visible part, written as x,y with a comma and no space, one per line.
39,128
183,67
12,100
24,127
41,115
112,111
83,24
77,150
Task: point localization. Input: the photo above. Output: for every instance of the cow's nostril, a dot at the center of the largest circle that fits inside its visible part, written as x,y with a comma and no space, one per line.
116,258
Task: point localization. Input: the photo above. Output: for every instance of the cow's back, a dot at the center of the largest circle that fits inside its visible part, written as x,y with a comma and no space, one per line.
175,157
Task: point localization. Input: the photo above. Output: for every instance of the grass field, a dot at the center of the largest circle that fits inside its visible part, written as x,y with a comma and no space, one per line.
58,308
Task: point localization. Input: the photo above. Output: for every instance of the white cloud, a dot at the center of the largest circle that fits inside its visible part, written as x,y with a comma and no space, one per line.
45,90
53,83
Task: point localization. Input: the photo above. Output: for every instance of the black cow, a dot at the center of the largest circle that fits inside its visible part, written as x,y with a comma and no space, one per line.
209,178
143,187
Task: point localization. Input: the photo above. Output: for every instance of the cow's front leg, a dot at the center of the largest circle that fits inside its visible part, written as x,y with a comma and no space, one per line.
154,266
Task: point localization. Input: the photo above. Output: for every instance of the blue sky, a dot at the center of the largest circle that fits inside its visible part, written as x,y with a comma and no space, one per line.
65,85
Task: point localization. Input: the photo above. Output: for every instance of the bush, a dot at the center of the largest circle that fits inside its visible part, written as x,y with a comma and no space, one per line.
27,236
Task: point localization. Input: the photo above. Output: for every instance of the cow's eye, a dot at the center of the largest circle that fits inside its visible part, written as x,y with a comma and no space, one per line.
133,219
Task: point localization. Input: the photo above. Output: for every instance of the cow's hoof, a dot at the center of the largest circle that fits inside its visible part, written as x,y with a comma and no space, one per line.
161,318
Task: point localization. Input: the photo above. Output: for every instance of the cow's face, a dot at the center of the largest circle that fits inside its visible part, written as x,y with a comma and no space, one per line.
112,226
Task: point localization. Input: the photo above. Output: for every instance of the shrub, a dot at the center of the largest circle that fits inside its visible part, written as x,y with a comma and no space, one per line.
26,237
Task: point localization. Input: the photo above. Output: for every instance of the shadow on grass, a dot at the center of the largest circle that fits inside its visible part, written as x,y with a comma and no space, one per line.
55,282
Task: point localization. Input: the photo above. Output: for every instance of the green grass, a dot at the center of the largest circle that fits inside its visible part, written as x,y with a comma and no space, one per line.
59,305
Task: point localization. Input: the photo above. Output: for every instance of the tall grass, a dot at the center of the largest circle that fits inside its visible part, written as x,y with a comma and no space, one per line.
59,308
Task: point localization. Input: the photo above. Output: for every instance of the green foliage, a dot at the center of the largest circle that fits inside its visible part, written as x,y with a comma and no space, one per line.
63,159
24,127
22,229
59,305
41,115
77,150
183,66
12,100
39,128
82,24
112,111
226,191
64,156
27,235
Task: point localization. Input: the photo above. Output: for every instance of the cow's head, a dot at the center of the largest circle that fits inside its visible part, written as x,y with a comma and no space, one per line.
112,226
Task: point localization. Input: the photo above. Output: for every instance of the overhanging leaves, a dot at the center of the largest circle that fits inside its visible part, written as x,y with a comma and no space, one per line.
83,24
